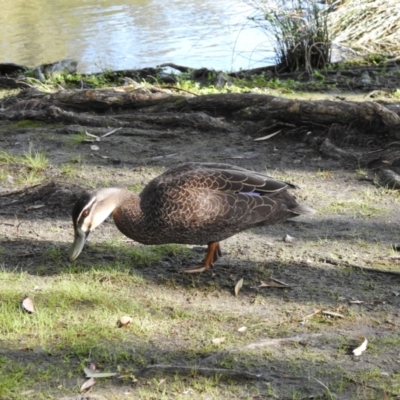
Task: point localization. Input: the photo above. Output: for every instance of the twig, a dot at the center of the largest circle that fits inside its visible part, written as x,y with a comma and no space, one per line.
201,370
276,341
259,344
311,315
180,89
111,132
18,191
33,230
326,387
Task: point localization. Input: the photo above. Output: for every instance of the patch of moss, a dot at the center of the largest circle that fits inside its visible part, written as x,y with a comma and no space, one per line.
27,123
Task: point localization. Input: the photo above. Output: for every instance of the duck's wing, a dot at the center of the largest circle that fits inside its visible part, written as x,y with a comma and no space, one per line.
224,178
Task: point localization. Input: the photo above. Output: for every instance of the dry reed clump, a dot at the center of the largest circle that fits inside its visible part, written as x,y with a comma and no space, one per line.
299,30
369,26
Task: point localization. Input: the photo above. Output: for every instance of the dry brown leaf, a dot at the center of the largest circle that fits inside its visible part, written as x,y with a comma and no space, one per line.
238,286
124,321
27,305
88,384
218,340
360,349
97,374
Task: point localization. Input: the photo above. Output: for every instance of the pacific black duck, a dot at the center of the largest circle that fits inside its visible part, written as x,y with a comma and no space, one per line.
194,203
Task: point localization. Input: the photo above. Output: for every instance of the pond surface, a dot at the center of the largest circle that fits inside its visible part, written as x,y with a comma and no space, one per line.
116,34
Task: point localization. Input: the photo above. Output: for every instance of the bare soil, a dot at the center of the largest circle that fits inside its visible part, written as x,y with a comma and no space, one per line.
341,260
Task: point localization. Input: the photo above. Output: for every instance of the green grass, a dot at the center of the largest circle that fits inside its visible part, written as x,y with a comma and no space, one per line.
366,203
77,139
76,316
27,123
26,168
137,188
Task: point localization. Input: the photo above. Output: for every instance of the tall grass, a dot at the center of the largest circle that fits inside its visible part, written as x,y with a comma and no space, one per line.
300,31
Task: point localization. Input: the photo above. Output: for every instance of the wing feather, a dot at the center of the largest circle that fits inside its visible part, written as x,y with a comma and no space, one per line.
222,177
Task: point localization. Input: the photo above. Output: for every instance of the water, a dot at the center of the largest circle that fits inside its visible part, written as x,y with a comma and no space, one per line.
116,34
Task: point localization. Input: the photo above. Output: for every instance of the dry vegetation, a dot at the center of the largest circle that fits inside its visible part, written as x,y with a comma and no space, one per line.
369,26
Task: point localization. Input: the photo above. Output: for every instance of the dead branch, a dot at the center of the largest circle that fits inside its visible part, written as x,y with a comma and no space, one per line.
389,179
336,152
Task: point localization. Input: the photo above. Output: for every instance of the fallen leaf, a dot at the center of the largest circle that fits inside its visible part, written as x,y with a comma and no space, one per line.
34,207
88,384
218,340
267,137
95,148
124,321
27,305
242,329
94,374
238,286
359,350
288,239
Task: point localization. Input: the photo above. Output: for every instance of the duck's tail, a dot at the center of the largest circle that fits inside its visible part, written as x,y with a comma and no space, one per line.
302,209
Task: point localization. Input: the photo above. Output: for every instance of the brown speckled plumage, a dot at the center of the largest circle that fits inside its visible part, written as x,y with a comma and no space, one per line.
194,203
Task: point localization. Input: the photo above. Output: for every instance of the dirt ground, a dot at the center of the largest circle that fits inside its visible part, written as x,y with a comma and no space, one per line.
325,261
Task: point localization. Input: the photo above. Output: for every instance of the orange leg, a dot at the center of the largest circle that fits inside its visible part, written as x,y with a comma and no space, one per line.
213,252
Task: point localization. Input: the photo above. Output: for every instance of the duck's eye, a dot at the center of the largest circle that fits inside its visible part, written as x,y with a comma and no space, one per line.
85,213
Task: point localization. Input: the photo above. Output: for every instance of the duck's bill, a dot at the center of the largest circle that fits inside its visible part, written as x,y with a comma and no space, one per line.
77,246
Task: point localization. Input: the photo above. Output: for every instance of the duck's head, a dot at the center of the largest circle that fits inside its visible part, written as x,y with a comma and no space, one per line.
91,209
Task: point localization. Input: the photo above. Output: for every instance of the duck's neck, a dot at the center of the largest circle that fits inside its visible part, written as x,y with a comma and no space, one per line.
127,213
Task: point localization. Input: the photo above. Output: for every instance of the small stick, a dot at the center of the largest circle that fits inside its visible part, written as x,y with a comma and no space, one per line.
111,132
